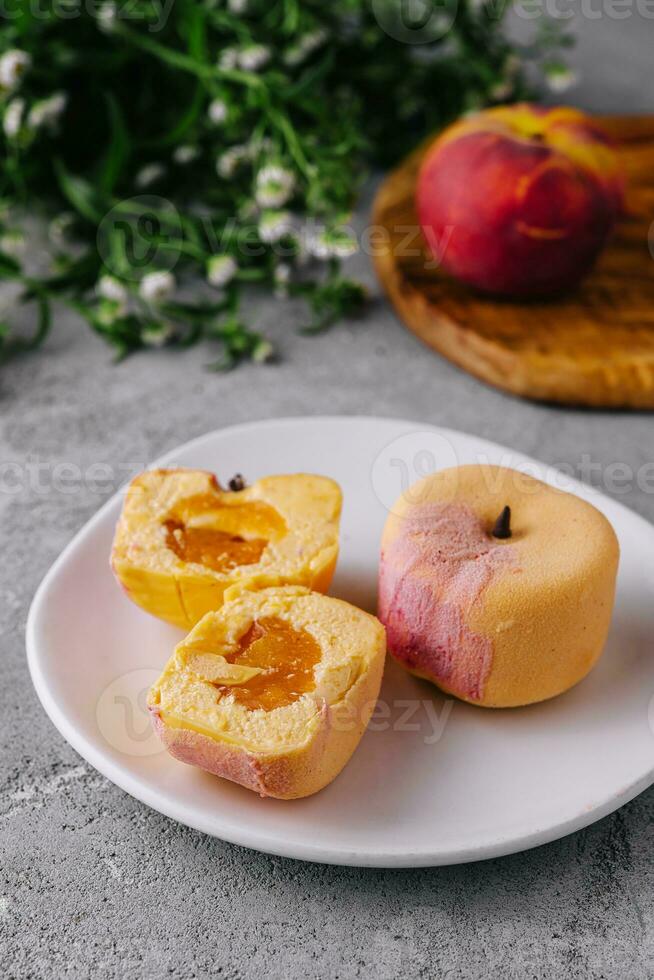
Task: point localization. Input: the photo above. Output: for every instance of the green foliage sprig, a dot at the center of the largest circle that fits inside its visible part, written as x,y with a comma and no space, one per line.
225,137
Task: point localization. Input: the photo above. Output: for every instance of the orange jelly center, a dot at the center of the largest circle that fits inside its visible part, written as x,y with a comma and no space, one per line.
215,549
208,532
288,657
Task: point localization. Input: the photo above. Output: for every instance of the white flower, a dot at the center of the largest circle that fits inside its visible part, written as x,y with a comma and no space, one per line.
221,269
237,6
217,111
474,106
294,56
282,277
314,39
12,243
60,228
228,59
512,65
304,46
283,273
274,186
185,154
149,174
331,244
259,145
158,334
228,162
155,287
345,248
13,118
559,78
13,65
264,351
46,112
253,57
108,287
106,313
247,210
302,257
107,16
501,90
274,225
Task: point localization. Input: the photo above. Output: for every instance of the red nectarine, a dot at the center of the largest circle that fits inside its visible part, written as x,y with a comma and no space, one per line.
520,200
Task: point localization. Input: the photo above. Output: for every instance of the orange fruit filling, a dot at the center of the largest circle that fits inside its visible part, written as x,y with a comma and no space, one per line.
204,530
287,657
215,549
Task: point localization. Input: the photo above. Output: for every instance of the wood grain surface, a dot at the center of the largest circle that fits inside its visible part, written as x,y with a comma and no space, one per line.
593,347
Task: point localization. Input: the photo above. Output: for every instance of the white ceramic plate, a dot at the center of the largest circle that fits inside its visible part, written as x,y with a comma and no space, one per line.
433,781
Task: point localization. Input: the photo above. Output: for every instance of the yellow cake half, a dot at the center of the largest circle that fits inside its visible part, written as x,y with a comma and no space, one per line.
182,540
272,691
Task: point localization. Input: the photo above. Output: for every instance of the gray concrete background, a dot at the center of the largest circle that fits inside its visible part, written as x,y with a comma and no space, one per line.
94,884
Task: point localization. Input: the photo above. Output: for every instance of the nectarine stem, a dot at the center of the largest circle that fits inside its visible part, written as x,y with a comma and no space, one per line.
237,483
502,527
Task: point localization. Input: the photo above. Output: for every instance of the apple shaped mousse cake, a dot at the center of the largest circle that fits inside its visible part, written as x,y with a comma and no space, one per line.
272,691
495,586
182,540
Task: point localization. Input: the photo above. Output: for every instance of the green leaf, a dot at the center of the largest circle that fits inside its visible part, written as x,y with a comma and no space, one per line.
10,346
79,193
197,49
118,147
9,267
184,122
44,321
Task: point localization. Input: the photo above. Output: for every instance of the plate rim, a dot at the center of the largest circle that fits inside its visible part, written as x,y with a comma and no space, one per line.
341,856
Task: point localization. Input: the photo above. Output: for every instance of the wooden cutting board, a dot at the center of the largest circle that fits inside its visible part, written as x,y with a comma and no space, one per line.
594,347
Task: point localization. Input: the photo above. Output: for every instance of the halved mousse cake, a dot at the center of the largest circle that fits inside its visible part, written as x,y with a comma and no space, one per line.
272,691
182,539
495,586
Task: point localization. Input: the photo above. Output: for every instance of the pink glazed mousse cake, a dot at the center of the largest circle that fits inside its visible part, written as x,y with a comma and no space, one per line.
496,587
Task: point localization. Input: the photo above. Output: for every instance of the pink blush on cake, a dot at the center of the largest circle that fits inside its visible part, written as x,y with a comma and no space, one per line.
495,586
431,575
